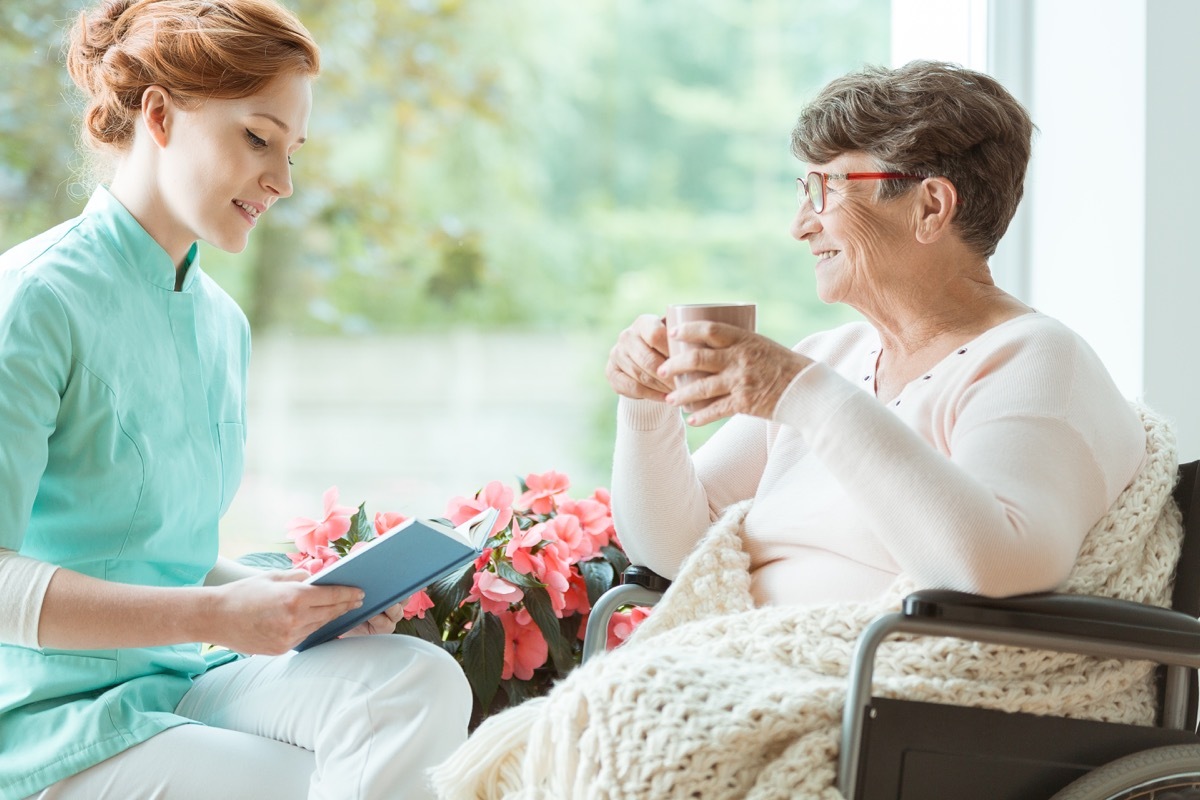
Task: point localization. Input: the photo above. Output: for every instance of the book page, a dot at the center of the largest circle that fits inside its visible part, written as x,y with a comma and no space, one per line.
477,529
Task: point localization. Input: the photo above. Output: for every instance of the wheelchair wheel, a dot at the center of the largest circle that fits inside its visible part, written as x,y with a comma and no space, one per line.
1161,773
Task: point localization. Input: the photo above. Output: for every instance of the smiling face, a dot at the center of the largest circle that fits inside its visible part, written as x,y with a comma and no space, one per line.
222,163
863,245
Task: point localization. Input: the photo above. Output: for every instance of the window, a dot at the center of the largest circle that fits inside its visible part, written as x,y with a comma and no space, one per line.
490,193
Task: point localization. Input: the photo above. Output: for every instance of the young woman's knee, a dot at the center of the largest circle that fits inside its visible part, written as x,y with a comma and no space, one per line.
404,663
438,670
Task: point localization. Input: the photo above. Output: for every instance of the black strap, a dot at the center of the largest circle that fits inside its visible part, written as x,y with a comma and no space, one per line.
1186,597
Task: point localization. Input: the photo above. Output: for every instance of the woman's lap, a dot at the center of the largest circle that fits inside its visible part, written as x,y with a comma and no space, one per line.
359,717
193,761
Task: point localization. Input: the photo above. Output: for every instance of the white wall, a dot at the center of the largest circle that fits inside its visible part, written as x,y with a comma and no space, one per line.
1115,85
1171,379
1087,230
1103,237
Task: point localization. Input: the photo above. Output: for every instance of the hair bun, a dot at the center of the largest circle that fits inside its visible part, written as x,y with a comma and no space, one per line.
192,48
102,71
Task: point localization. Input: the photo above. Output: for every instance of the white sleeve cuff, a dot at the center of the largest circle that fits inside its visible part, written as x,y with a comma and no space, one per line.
23,583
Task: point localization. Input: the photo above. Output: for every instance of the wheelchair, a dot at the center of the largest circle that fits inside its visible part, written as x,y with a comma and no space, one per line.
912,750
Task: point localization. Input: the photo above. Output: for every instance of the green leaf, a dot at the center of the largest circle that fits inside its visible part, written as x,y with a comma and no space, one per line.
361,530
426,628
570,631
483,656
599,576
509,573
616,557
518,691
266,560
537,602
448,593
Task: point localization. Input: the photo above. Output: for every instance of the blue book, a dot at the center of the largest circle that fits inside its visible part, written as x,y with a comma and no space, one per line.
399,564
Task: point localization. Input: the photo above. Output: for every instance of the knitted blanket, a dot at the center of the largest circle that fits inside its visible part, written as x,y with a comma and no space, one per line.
714,698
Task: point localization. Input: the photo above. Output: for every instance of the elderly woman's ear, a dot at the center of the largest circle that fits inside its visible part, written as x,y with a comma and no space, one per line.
936,208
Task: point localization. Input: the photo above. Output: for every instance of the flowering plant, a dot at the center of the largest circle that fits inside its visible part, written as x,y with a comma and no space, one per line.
515,618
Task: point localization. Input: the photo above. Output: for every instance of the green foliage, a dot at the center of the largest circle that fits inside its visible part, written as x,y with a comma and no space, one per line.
557,165
39,112
537,603
483,656
361,530
421,627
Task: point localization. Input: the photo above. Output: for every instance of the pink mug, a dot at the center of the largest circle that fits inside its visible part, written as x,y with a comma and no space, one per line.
740,314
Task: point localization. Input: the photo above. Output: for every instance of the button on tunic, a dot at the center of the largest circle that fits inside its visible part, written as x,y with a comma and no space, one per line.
122,409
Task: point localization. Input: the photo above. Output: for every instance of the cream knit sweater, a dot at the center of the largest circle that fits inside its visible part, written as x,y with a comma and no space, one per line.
715,698
982,475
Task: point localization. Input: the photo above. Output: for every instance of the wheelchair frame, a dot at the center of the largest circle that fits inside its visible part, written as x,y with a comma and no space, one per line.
912,750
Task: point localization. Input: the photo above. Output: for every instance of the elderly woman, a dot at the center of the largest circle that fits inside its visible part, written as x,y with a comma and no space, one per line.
956,438
956,435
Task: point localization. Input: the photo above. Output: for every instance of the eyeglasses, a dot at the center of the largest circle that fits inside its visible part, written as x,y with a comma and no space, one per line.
813,186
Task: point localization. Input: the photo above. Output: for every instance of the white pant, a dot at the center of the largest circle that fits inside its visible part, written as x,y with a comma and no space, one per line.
363,717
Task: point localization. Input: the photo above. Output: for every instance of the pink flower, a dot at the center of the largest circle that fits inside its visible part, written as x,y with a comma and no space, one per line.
417,605
524,646
604,497
483,558
519,550
595,521
319,559
494,495
544,492
493,592
554,570
386,520
575,599
622,624
311,534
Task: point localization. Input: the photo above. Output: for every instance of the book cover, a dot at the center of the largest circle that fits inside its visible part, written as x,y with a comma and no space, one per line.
397,565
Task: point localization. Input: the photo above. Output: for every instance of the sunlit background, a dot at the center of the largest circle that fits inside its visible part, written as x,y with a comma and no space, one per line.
489,194
494,190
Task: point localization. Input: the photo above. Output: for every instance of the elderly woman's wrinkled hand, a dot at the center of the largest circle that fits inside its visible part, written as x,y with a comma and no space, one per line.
732,370
634,360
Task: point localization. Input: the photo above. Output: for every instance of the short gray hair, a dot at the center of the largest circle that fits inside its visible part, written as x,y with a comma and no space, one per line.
931,119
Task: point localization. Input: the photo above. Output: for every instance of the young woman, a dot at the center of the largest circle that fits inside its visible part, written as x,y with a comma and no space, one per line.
122,412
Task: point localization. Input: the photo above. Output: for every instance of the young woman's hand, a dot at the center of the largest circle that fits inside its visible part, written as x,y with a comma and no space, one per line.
383,622
271,613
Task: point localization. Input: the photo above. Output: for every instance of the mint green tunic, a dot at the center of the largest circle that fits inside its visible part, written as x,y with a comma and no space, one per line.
122,405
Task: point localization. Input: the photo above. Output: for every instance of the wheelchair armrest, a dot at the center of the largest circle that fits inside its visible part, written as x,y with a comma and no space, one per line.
645,578
1098,626
1119,620
640,586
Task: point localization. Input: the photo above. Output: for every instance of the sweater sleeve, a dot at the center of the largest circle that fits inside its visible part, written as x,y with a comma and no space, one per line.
663,497
1004,510
23,583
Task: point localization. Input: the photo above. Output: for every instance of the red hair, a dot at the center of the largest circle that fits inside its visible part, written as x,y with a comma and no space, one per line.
195,49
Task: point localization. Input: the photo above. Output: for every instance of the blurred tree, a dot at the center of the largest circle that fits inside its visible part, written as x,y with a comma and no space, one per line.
37,128
529,163
526,163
